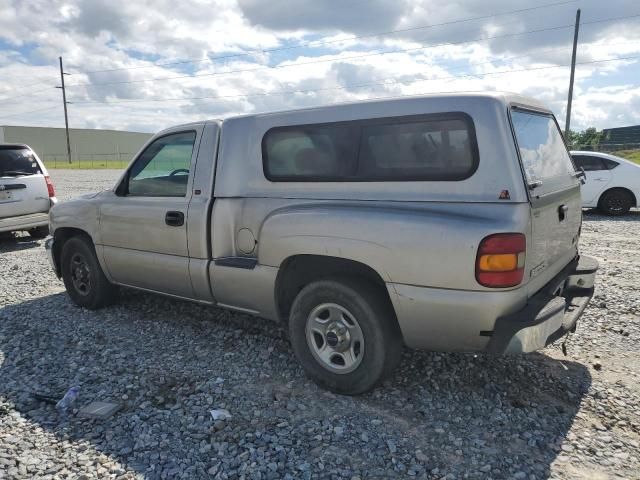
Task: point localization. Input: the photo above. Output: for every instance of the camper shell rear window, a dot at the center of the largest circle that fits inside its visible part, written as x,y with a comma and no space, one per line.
543,152
434,147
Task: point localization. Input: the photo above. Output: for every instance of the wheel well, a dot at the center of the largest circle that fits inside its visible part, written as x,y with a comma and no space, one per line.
300,270
60,236
623,189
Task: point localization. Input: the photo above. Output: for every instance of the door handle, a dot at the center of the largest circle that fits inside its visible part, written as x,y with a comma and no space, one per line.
562,212
174,219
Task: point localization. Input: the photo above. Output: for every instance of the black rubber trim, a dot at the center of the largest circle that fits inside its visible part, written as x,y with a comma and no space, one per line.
13,186
544,305
247,263
586,265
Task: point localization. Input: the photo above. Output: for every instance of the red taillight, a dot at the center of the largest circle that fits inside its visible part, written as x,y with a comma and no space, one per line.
500,260
52,192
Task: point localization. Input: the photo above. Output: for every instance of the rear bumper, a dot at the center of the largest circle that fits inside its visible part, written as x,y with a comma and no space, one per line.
549,314
24,222
493,321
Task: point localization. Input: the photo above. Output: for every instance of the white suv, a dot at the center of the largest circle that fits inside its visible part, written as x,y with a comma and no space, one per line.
26,191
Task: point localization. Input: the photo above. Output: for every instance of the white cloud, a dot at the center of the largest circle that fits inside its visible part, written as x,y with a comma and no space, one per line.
136,38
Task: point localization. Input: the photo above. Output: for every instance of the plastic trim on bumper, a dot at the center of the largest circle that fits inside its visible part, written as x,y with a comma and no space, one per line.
549,314
48,246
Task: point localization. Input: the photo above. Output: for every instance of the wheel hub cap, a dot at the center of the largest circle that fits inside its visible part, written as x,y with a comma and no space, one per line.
335,338
80,274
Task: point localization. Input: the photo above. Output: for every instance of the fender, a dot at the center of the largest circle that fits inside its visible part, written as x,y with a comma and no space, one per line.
384,238
80,213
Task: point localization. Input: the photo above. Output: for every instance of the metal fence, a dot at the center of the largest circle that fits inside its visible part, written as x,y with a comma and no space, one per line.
607,147
87,160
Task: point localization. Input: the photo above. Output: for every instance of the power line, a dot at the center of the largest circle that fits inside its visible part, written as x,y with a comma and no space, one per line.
559,27
363,85
26,94
29,85
30,111
382,80
352,57
317,43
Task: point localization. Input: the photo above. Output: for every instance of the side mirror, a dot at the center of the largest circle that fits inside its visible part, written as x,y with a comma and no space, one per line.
122,189
579,173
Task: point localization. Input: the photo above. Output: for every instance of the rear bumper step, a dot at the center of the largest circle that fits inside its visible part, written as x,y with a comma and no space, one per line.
549,314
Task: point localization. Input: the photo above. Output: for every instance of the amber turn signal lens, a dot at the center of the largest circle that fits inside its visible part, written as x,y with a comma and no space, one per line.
498,263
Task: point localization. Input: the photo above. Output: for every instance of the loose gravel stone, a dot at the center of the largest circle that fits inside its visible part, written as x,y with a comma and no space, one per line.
169,363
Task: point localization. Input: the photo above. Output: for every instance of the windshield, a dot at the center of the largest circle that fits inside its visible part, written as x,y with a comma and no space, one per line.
16,161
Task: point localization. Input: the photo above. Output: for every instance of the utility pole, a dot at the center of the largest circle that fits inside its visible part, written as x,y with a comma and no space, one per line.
567,124
64,101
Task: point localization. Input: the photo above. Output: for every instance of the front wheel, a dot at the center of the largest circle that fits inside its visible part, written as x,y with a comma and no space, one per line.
615,202
345,335
83,278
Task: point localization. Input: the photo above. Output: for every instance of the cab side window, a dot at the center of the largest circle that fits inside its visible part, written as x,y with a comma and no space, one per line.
163,168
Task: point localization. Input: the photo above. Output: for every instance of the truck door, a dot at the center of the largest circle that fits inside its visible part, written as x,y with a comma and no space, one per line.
143,223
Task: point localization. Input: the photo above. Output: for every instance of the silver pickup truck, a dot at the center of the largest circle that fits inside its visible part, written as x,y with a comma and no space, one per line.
446,222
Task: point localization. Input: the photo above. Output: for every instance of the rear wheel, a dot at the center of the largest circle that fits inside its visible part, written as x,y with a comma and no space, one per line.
615,202
39,232
83,278
345,335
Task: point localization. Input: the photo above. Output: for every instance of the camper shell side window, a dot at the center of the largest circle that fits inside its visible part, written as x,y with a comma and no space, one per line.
434,147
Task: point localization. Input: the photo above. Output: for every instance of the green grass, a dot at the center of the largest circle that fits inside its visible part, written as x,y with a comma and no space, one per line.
87,164
633,155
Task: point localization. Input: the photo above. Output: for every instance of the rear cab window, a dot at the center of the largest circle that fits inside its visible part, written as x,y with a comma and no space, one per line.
546,162
422,147
17,161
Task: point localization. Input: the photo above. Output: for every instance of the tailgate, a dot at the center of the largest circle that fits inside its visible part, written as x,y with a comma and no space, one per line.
554,193
23,188
23,195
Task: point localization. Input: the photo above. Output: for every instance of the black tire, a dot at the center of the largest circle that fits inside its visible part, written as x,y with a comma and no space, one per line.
83,278
615,202
39,232
381,343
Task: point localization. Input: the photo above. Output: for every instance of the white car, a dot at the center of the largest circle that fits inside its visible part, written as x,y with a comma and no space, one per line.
26,191
612,184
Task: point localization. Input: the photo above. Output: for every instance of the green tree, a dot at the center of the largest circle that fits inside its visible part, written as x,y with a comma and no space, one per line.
588,139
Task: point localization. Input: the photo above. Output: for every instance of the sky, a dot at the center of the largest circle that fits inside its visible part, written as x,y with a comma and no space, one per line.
146,65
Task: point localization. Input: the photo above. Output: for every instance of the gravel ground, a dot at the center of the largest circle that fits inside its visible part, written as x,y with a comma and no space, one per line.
169,363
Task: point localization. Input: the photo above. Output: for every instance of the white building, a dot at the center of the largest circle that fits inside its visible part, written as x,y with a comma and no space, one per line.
87,145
